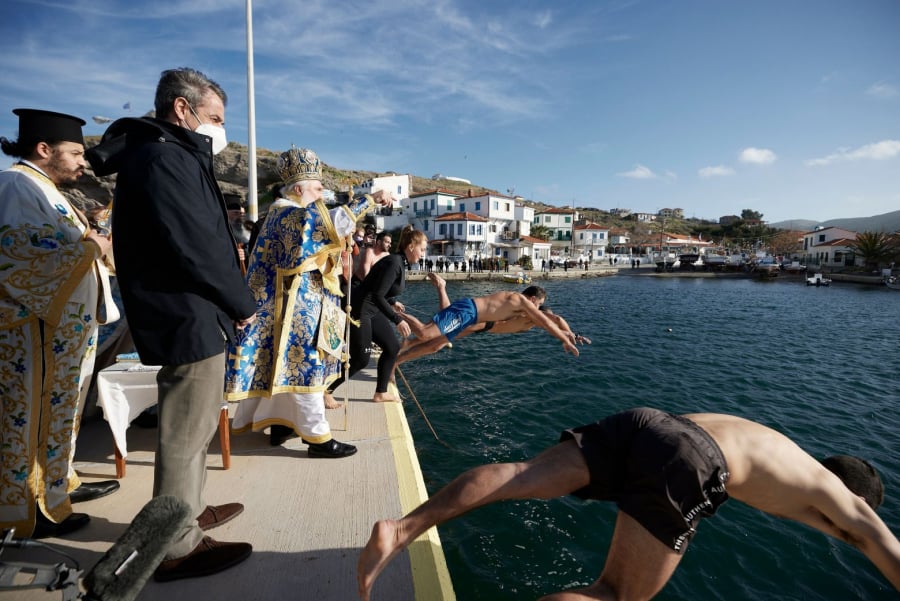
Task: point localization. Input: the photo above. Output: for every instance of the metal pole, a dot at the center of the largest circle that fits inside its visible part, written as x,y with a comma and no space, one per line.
252,209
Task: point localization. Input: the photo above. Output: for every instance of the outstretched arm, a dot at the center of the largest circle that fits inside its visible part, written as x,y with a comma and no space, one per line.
849,518
564,326
540,319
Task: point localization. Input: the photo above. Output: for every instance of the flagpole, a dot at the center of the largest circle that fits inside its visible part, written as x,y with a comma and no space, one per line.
252,210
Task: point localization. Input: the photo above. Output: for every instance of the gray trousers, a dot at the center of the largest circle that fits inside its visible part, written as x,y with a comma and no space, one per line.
190,398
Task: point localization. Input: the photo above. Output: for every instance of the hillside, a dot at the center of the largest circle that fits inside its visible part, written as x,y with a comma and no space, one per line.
231,171
886,222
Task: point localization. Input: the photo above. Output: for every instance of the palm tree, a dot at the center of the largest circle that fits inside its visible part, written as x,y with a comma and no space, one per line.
873,247
541,231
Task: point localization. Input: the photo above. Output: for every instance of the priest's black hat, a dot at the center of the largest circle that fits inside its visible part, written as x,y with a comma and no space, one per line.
46,126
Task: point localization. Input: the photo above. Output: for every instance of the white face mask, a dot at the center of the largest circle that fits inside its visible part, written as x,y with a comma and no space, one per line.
217,133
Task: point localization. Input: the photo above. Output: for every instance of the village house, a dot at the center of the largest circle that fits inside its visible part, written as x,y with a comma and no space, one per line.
590,241
830,247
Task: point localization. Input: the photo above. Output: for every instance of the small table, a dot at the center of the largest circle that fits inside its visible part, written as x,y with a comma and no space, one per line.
124,391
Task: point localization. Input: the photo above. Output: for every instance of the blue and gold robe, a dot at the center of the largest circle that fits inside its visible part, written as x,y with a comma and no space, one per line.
294,269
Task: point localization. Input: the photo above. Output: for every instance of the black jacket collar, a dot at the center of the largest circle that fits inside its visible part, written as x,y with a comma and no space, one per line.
124,134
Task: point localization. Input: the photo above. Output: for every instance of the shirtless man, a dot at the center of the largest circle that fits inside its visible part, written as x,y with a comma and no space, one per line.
451,321
521,323
628,458
372,254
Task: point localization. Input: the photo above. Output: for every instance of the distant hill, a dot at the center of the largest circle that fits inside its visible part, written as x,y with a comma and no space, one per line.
231,172
886,222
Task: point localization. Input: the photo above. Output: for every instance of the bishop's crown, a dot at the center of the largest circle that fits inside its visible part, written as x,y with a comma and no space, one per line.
298,164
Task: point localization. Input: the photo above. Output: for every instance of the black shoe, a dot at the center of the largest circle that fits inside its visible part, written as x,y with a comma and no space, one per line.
278,434
93,490
332,448
149,418
44,528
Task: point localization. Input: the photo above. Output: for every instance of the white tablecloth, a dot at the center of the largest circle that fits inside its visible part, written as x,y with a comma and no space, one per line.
124,391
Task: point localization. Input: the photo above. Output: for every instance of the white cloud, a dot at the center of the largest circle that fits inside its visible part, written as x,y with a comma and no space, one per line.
879,151
543,20
882,89
639,172
717,171
757,156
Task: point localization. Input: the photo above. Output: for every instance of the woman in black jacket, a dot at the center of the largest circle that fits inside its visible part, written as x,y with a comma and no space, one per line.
373,304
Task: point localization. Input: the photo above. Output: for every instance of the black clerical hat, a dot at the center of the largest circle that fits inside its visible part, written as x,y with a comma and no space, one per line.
46,126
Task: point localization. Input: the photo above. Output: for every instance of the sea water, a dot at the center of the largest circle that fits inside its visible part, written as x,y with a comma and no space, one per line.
821,365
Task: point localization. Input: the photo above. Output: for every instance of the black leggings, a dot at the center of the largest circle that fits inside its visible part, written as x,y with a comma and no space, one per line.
373,327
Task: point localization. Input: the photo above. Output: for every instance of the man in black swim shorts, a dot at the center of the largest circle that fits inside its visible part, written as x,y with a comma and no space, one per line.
661,469
665,472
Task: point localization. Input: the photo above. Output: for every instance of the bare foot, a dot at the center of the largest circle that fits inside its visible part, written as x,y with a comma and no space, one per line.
393,391
383,545
384,397
330,402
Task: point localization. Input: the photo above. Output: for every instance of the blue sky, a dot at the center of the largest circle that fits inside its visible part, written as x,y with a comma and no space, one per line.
787,107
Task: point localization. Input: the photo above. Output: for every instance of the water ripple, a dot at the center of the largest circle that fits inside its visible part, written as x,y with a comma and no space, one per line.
819,364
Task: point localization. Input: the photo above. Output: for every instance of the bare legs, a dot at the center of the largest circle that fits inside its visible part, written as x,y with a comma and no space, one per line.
637,565
555,472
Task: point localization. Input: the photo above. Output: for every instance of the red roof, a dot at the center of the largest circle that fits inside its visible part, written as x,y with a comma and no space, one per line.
838,242
466,216
555,210
591,226
533,240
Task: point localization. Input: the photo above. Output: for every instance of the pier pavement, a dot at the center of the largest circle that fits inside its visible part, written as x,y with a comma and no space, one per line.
307,519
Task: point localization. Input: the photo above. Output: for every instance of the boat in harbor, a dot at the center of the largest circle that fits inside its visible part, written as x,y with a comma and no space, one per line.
892,282
766,267
714,261
818,280
689,262
664,261
795,267
517,278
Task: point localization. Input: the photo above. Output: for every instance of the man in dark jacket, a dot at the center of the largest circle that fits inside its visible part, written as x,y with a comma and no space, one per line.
181,284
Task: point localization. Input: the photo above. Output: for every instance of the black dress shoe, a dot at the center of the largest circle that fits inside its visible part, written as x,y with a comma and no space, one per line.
278,434
44,528
93,490
149,418
332,449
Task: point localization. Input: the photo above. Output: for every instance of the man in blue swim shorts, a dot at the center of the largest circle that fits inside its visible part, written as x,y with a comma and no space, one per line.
499,306
455,318
665,472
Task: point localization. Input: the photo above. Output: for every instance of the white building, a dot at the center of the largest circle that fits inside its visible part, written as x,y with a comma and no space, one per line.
667,213
398,185
829,247
391,218
560,223
460,234
590,241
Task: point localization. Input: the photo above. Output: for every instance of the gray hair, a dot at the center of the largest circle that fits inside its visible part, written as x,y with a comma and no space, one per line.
289,188
186,83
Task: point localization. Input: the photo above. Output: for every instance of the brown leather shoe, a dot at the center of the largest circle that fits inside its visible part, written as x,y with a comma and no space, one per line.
209,557
216,515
